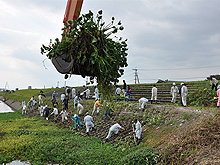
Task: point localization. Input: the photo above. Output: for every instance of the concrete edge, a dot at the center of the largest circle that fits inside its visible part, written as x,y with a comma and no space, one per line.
13,104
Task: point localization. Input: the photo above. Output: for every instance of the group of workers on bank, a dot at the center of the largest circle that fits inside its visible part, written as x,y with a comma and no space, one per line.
114,129
88,119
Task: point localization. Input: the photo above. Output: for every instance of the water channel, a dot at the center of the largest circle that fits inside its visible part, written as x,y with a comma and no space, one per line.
5,108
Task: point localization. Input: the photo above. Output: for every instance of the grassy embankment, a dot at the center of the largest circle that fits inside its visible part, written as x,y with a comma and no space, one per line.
40,141
182,137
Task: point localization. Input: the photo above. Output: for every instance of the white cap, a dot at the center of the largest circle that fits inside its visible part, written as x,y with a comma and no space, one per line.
174,83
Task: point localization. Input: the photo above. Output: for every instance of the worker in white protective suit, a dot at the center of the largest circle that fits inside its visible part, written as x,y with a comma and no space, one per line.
24,109
184,93
41,110
40,99
73,93
23,103
79,109
64,115
76,100
113,129
96,93
154,94
87,93
142,102
138,131
88,120
173,92
62,97
55,112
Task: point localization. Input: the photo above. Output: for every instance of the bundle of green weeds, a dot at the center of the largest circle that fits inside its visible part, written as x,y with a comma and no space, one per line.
88,43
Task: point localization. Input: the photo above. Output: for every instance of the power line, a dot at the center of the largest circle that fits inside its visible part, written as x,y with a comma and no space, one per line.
202,67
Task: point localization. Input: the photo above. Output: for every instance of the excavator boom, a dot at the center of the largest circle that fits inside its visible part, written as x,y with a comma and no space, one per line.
72,8
71,13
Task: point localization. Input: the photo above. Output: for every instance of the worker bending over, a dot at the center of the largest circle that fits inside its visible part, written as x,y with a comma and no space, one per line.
77,121
88,120
113,129
142,102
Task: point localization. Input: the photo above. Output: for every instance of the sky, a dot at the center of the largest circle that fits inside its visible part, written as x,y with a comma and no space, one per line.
173,39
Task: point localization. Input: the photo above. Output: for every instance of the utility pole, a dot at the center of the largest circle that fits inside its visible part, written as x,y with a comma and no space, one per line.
58,84
6,86
136,79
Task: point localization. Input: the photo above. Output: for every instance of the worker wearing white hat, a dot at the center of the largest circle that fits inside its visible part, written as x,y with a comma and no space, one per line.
173,93
88,120
113,129
154,94
142,102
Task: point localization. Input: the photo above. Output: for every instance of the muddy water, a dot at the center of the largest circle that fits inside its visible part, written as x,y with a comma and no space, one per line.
4,108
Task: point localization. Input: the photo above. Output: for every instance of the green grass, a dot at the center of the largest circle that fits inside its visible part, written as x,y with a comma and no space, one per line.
40,141
11,115
25,94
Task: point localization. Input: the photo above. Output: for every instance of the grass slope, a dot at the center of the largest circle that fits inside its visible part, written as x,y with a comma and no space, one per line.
171,134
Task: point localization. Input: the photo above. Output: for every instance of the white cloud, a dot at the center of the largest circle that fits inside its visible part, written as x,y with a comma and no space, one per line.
161,34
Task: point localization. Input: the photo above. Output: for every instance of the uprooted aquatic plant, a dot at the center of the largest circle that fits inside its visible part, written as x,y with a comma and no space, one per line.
90,45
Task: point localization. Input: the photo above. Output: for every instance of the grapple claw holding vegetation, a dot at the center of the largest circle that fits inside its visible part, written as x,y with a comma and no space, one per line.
89,46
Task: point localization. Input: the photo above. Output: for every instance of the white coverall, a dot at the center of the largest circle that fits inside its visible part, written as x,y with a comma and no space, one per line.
174,91
143,102
23,103
62,97
76,100
79,108
24,109
138,129
40,99
154,93
88,122
55,111
96,93
41,110
115,128
184,93
87,93
73,93
64,115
